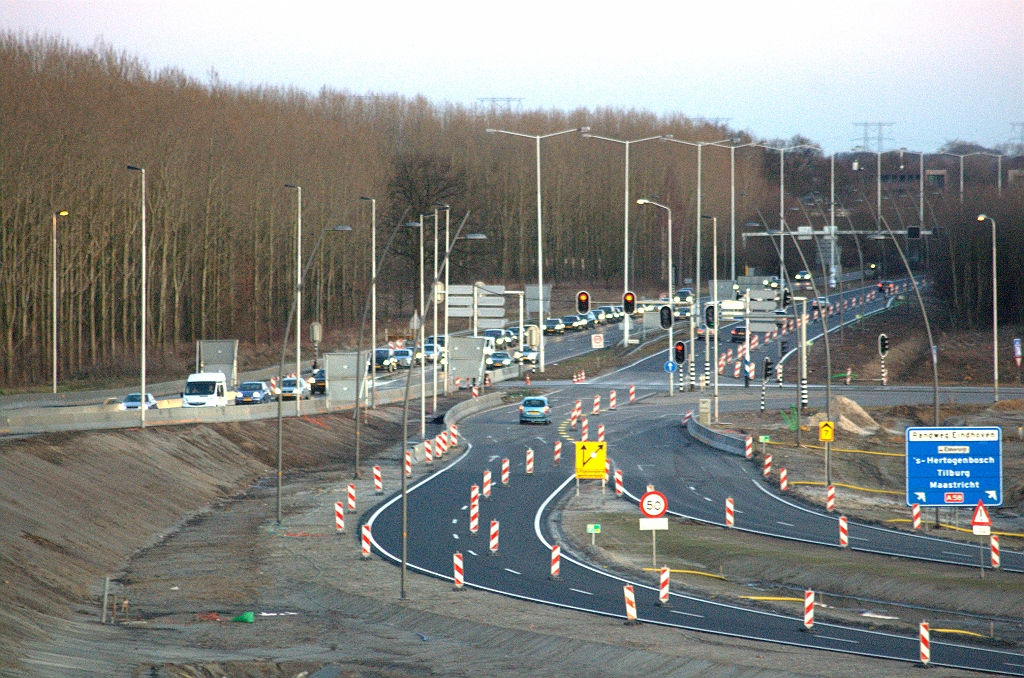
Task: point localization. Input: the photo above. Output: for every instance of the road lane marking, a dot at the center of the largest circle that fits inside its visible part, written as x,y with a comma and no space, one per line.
640,467
586,593
508,569
471,552
493,457
707,498
841,640
688,614
692,488
464,508
455,521
779,522
958,555
455,535
860,538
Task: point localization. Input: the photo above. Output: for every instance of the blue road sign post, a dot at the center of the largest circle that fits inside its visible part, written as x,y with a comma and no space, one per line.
949,466
670,366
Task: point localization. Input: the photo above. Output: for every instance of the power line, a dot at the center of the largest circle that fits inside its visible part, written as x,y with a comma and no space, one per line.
880,133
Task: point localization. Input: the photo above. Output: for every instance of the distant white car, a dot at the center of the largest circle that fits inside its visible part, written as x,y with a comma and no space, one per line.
133,401
292,388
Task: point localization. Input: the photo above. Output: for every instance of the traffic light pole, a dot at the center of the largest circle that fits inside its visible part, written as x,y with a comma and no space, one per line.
693,349
746,338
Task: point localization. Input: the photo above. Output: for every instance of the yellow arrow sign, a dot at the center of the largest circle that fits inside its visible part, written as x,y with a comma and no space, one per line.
590,457
826,431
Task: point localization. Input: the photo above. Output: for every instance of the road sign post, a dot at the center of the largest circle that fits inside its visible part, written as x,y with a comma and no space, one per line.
590,461
593,529
653,506
948,466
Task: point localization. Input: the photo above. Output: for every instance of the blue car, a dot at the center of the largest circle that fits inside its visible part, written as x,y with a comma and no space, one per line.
252,393
534,410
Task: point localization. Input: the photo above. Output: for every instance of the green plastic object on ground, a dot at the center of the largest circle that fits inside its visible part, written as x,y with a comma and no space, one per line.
791,418
245,617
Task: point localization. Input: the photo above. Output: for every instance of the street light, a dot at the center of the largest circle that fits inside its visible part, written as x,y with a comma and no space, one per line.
625,218
298,293
714,301
142,347
962,156
995,312
782,198
373,301
732,204
292,314
53,243
671,341
540,230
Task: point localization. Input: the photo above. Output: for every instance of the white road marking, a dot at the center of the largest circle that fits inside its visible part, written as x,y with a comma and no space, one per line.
471,552
860,538
640,467
959,555
688,614
586,593
707,498
692,488
779,522
455,521
1017,665
512,571
841,640
455,535
464,508
542,440
493,457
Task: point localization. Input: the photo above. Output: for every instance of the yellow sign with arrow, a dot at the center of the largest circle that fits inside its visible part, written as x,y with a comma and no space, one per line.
826,431
590,458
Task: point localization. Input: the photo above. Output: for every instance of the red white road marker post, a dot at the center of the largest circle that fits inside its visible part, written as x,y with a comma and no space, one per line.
408,463
504,472
365,554
663,589
619,489
600,433
630,605
730,509
453,433
558,452
607,471
474,509
476,392
378,482
529,461
808,609
844,533
611,400
915,513
573,418
925,643
494,537
632,394
487,483
584,432
783,480
994,548
460,580
351,498
830,498
687,417
556,560
339,516
428,451
767,465
748,447
597,405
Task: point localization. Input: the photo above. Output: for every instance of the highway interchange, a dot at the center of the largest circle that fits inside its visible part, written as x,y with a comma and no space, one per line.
648,444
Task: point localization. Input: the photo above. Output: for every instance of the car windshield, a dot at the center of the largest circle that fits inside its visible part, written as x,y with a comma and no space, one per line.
534,402
133,398
500,355
251,386
403,352
569,319
288,383
383,353
551,321
200,388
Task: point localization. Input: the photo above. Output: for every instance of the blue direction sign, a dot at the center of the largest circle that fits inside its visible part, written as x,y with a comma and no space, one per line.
954,466
670,366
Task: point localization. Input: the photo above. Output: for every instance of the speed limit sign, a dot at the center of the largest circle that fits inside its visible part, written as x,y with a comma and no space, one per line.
653,505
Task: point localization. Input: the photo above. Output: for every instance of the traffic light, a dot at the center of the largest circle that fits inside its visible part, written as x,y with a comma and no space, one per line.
582,302
665,317
913,232
787,298
883,345
680,352
767,368
629,303
709,315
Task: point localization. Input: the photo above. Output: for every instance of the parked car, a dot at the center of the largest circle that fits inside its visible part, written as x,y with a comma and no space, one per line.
497,360
403,357
319,384
384,359
554,326
534,410
292,388
133,401
252,393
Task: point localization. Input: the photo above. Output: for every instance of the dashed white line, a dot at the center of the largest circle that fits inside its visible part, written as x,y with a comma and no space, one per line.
707,498
640,467
841,640
958,555
692,488
508,569
455,536
688,614
860,538
493,457
779,522
455,521
465,507
471,552
586,593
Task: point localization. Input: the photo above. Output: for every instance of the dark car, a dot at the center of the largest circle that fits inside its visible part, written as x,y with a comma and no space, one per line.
385,360
252,393
497,360
319,384
534,409
554,326
738,335
574,322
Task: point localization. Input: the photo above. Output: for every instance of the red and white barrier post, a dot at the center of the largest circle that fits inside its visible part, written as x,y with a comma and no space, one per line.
597,405
915,513
365,554
351,498
611,400
808,609
453,433
408,463
830,498
994,548
476,392
767,465
584,433
663,588
619,489
844,533
558,452
504,472
460,580
494,537
339,516
474,509
783,480
487,483
428,451
925,643
378,482
730,511
630,605
600,433
556,560
529,461
748,447
632,394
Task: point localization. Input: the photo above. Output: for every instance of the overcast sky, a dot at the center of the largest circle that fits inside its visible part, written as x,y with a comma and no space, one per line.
937,69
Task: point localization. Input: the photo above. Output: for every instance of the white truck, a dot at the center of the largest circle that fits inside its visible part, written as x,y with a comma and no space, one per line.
205,389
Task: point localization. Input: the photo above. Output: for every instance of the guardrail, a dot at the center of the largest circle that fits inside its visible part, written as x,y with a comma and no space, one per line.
732,443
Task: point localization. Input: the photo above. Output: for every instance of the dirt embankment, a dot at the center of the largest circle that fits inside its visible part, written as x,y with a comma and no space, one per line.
74,507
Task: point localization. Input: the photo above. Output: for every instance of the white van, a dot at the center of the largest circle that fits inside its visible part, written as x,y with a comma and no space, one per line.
205,389
489,346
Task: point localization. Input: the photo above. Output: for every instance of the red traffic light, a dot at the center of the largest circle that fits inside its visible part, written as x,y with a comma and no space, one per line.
629,303
582,302
680,348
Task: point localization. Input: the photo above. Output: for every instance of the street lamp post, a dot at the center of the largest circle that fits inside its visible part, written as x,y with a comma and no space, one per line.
298,297
714,301
625,218
782,199
540,229
142,304
53,243
732,204
373,301
995,312
447,246
671,342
